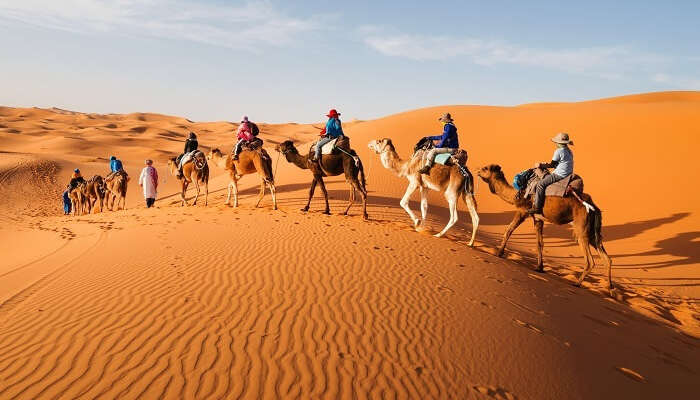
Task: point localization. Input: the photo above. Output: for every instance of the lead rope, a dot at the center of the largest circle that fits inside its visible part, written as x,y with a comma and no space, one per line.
277,163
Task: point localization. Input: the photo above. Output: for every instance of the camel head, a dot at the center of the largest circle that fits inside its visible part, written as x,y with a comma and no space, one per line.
172,165
381,145
214,153
489,172
286,147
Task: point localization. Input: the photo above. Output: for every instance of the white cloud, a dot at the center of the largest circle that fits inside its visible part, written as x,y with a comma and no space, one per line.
677,82
605,61
241,27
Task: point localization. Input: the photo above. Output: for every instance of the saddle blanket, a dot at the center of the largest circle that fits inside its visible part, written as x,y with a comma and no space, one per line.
187,157
327,148
443,158
558,188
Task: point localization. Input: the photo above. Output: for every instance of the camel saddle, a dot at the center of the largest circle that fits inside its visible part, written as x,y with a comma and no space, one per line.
330,147
458,158
252,145
560,188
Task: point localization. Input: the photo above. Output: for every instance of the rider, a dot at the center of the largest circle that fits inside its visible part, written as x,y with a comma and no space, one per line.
191,145
333,130
563,164
244,135
75,179
115,166
447,142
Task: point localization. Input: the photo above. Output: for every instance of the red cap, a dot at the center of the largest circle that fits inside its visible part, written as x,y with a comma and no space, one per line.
333,113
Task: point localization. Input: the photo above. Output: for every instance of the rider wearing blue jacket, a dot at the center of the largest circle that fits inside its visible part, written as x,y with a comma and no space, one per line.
448,142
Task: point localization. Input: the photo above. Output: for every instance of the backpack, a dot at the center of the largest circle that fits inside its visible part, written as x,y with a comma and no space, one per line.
520,180
254,128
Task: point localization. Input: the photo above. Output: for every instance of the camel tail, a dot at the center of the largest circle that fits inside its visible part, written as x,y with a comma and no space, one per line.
594,224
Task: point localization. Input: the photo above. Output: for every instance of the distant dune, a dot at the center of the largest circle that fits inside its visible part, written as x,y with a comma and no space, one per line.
216,302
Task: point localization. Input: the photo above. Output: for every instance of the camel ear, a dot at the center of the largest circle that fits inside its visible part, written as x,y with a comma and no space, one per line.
496,168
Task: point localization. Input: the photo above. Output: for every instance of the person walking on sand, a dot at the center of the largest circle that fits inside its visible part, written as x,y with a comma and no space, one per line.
448,142
333,130
563,164
149,182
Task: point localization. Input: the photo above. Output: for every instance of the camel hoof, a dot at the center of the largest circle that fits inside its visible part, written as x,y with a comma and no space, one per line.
540,269
500,253
437,235
327,212
577,284
471,244
305,209
365,217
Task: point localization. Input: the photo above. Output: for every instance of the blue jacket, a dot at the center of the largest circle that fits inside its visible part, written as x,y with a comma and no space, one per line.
334,128
448,139
115,165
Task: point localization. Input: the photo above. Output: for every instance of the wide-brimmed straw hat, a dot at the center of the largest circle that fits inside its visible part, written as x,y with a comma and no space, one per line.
446,117
562,138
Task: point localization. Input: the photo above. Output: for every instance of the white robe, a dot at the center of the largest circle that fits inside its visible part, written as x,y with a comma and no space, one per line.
149,181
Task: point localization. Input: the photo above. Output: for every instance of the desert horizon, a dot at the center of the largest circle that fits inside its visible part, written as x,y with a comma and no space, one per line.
217,301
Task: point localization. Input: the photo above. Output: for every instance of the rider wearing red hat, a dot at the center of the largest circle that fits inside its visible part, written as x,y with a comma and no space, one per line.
333,130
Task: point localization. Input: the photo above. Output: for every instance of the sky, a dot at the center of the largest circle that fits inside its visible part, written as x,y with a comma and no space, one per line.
290,61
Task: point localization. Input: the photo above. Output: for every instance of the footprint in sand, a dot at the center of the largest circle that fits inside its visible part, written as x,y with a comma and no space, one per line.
495,392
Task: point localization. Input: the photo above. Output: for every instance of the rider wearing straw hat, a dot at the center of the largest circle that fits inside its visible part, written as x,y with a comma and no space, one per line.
563,164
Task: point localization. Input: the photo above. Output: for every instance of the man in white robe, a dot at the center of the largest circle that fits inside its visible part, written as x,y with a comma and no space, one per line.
149,182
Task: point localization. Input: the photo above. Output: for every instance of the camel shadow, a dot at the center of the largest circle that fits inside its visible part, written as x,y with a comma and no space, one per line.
684,248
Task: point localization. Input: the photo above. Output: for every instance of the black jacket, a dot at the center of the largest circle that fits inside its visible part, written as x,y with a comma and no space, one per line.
190,145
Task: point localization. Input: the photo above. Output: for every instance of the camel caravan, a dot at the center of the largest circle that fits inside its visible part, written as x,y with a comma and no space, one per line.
437,163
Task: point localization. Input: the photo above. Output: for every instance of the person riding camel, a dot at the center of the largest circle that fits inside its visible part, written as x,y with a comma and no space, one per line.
447,142
563,164
115,166
333,130
191,145
75,179
244,134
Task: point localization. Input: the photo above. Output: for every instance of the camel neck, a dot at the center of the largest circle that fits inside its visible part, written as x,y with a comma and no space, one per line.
392,161
297,159
502,189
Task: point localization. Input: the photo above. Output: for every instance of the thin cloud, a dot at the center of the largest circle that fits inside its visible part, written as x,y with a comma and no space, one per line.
605,61
239,27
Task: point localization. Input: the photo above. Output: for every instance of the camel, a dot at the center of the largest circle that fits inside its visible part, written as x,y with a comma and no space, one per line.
249,162
586,221
77,199
446,179
331,165
116,188
194,170
94,190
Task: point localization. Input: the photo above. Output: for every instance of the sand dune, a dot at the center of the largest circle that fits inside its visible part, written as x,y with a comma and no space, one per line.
215,302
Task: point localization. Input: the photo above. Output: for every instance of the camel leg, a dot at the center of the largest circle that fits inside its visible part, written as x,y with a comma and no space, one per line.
196,186
608,261
274,195
518,219
235,192
261,194
452,198
351,200
412,186
423,204
184,191
539,227
325,195
311,194
206,193
471,205
583,243
123,200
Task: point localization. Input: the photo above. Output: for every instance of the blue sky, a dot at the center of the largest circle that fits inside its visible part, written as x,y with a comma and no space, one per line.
280,61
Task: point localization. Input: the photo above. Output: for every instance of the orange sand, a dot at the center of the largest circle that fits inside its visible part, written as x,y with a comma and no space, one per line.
216,302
